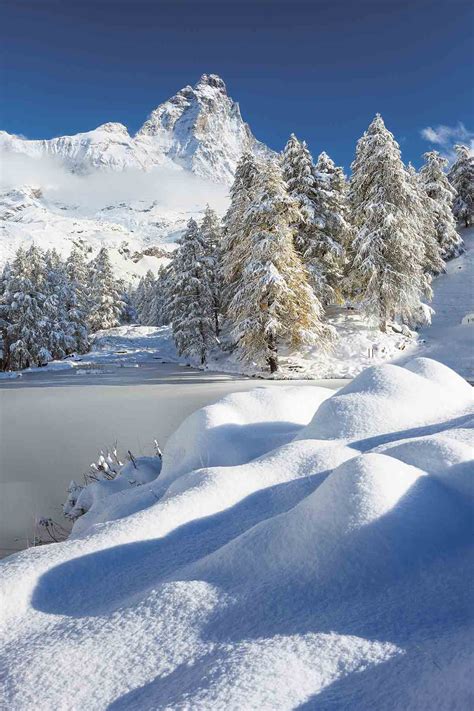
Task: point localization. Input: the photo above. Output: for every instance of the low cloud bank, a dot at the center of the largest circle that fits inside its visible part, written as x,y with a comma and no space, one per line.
171,188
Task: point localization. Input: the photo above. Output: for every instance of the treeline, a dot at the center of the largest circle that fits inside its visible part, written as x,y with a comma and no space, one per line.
298,237
49,306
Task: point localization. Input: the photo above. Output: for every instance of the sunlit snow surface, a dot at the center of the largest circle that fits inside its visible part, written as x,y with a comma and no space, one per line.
272,564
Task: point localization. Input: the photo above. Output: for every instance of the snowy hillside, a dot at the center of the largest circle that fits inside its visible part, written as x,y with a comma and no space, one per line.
318,560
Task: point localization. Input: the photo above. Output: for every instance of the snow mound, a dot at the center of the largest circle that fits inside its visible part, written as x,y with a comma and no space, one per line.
389,398
240,427
321,574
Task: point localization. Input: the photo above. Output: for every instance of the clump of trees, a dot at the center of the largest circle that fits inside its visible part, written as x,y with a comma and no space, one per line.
49,306
299,237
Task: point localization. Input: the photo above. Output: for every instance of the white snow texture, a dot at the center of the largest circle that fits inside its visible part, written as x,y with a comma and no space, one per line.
298,550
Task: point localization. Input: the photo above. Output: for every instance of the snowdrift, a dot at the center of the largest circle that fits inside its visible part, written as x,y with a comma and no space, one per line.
298,550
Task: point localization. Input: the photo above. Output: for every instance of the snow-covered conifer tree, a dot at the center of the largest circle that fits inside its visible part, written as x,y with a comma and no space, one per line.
25,329
386,254
162,294
192,306
106,294
272,301
61,340
332,230
232,246
143,299
297,166
461,177
78,274
323,229
441,193
422,210
211,234
78,300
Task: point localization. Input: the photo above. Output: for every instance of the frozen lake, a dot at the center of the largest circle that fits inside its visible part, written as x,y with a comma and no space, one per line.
54,423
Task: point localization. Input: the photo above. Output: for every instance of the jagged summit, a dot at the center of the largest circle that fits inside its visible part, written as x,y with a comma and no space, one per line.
213,80
199,129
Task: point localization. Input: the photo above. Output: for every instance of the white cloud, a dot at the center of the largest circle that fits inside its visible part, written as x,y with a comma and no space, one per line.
446,138
172,189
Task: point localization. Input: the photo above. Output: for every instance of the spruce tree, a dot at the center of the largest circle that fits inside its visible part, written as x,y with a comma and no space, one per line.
232,250
298,174
61,341
441,194
106,294
332,229
192,306
272,301
211,234
162,296
387,254
143,299
461,177
24,327
422,211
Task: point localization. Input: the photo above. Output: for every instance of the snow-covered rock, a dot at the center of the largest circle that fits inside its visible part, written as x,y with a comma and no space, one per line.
325,573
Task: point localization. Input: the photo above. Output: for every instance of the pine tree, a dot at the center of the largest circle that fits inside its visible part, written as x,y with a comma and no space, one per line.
25,331
332,229
298,174
461,177
78,274
162,297
422,211
106,294
60,341
232,249
78,298
323,227
211,233
441,193
387,254
192,306
143,299
272,301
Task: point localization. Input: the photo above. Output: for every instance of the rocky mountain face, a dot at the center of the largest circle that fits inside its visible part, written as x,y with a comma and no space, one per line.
200,129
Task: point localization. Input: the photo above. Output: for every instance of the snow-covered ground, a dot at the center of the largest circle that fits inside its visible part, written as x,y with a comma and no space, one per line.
447,339
296,551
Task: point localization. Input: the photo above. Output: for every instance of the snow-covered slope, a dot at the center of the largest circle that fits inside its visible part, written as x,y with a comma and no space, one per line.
199,129
330,572
448,339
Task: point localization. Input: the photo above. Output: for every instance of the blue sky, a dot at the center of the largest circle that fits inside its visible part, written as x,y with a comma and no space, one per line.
321,69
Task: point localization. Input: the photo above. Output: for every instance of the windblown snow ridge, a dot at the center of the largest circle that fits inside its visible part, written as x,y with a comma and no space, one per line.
298,550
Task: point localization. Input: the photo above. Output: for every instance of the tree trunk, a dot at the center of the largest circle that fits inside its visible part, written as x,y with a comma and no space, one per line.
272,359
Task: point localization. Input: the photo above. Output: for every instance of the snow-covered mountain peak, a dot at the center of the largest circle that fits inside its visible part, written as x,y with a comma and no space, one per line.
213,80
199,129
113,127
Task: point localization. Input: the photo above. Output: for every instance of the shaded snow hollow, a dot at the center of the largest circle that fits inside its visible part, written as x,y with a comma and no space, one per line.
299,550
